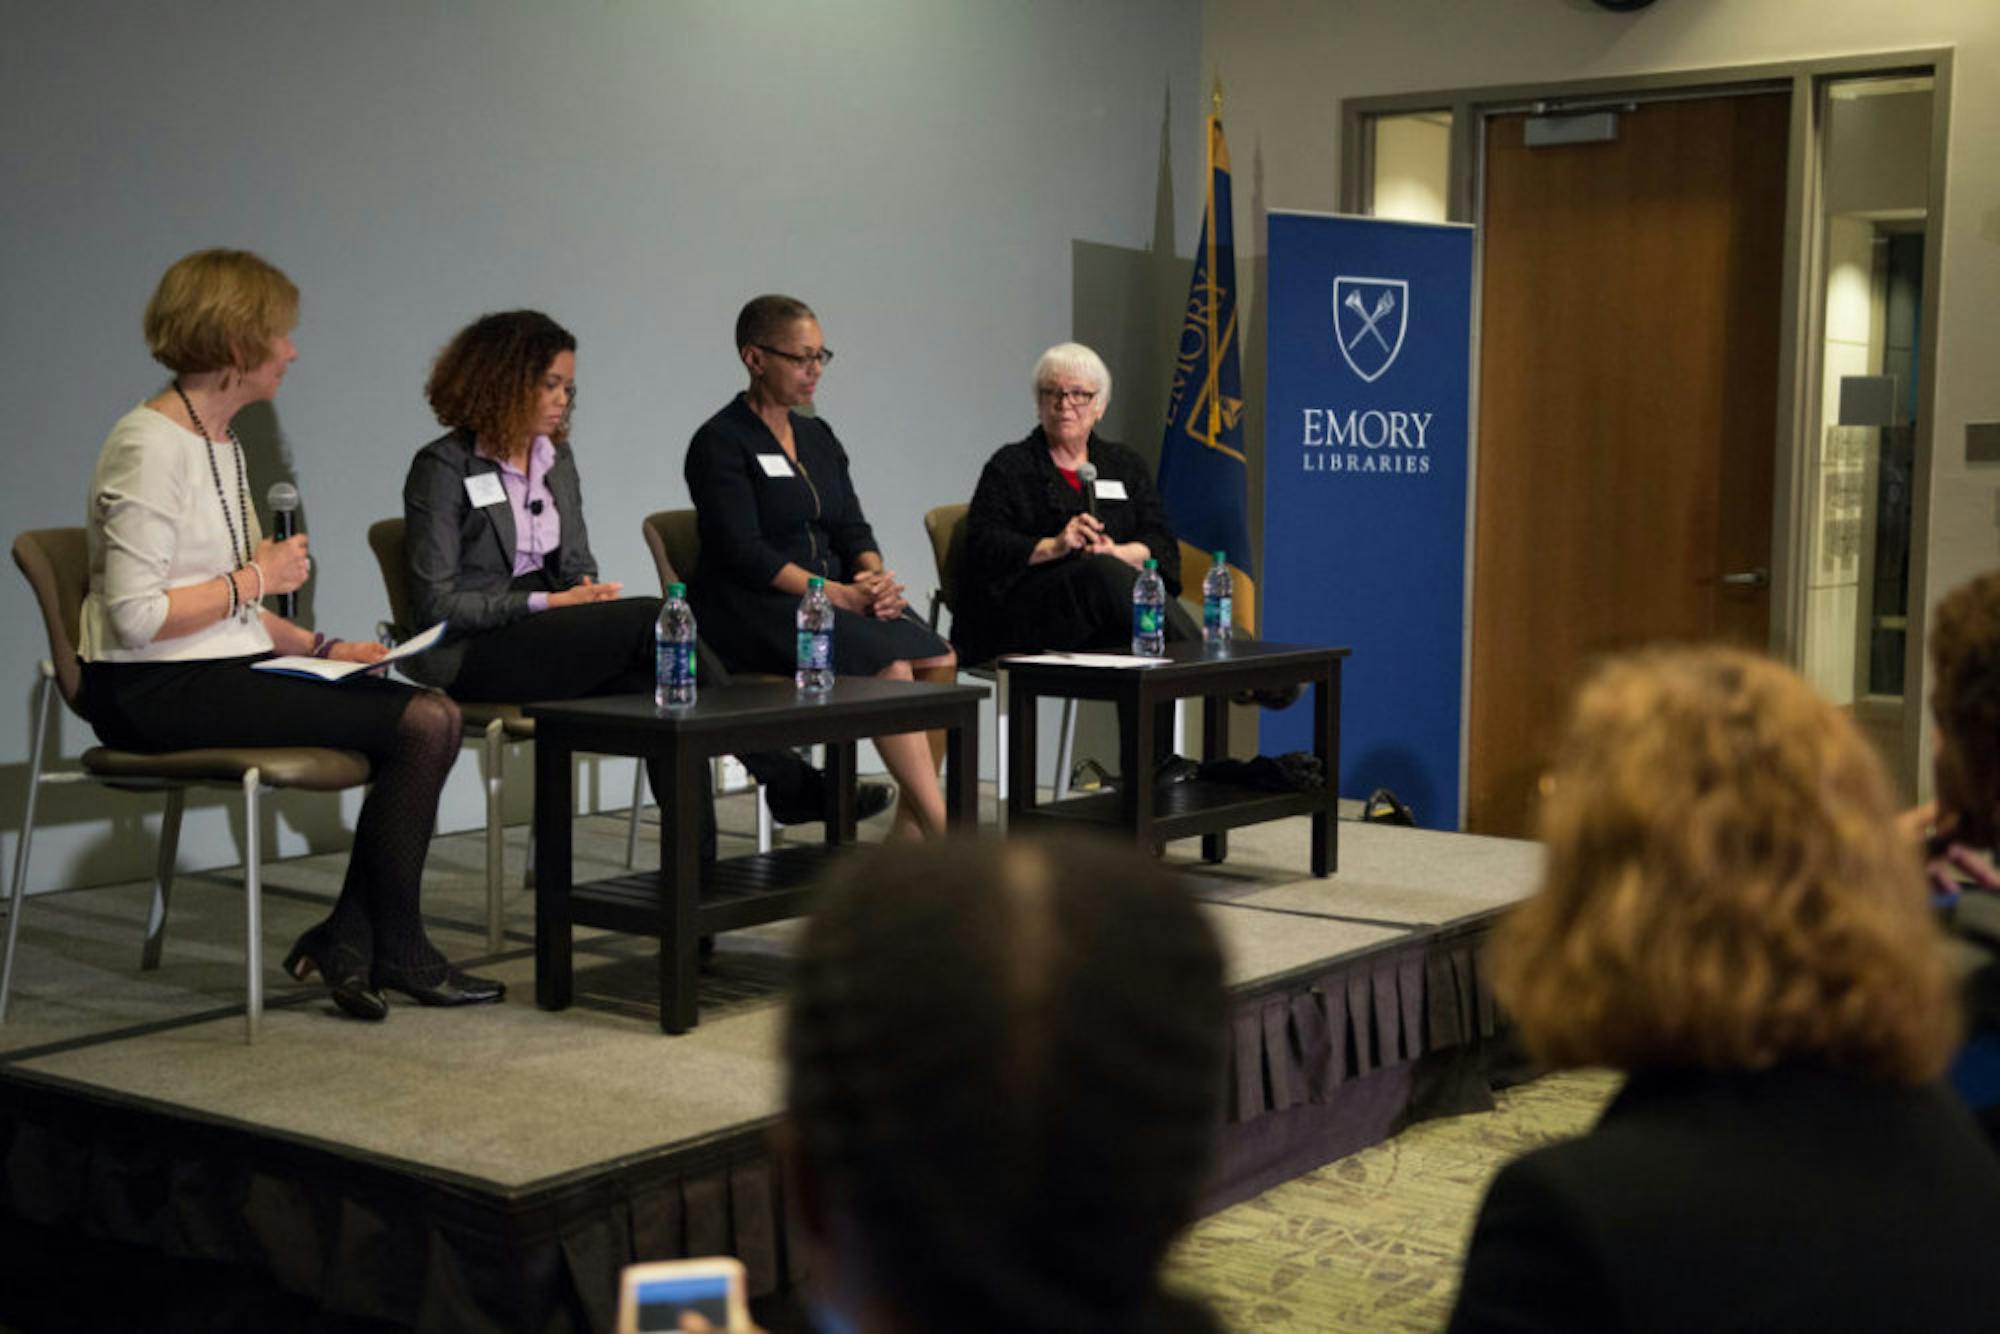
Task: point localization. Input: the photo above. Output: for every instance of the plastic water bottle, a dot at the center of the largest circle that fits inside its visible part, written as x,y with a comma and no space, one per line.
1149,613
673,651
1217,603
815,674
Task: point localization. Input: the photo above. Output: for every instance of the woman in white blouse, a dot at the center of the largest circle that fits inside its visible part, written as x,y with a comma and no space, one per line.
179,570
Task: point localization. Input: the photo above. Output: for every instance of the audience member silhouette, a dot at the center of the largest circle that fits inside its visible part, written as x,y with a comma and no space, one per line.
1727,915
1004,1069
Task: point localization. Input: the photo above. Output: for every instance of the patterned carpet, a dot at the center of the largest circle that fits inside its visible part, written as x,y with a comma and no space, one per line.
1374,1241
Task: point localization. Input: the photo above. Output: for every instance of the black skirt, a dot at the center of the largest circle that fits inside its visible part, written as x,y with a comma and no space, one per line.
188,705
763,637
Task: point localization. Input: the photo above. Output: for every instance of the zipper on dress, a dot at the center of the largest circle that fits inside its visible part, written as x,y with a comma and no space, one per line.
818,509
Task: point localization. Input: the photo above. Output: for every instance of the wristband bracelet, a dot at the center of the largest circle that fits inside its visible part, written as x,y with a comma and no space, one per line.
323,645
257,570
229,581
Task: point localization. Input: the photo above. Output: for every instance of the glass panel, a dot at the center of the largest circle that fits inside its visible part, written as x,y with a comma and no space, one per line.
1412,157
1875,137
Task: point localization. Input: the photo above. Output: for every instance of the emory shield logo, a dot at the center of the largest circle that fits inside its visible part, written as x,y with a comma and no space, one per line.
1370,316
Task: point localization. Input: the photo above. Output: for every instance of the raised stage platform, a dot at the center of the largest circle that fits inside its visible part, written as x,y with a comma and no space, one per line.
493,1168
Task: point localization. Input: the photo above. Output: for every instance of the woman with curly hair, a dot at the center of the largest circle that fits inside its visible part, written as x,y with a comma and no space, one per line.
1726,915
495,546
174,621
1961,827
1965,705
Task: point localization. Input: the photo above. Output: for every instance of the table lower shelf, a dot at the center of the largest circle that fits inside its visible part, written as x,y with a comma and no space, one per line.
740,892
1182,810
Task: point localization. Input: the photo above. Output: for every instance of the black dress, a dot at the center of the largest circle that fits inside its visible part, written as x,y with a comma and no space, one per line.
1005,605
758,511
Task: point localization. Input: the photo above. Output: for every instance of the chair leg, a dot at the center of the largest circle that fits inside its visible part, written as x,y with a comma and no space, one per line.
1181,707
638,800
253,904
1065,748
492,748
163,877
17,895
1000,736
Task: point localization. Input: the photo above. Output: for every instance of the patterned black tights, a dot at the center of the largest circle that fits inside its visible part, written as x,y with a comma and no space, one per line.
379,911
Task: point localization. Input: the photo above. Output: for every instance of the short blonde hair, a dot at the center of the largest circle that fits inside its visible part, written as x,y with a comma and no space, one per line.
1074,359
1724,889
218,309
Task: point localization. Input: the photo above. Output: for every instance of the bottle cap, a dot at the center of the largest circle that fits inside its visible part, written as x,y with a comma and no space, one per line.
1221,559
814,581
677,590
1152,564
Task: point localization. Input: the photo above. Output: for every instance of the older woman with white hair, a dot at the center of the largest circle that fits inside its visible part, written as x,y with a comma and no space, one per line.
1045,568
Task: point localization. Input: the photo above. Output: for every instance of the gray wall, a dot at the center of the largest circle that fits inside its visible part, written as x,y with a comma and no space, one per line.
925,174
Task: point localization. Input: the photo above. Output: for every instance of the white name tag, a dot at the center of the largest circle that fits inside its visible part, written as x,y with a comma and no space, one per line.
1110,488
483,489
775,465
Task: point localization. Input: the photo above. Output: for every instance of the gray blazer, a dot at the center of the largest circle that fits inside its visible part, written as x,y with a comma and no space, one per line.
458,559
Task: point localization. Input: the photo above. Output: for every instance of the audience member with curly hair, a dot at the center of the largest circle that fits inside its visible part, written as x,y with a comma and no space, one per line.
1005,1069
1962,824
1726,915
1965,704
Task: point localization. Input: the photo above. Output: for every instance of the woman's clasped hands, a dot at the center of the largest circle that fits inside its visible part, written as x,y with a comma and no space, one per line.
1085,533
877,593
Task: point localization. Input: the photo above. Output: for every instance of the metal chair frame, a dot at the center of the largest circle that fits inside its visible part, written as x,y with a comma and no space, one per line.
34,547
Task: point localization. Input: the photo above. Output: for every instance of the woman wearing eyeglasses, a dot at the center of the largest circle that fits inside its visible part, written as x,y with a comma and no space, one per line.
777,507
1042,571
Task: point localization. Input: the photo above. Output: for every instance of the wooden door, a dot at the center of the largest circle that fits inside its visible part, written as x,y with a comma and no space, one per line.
1628,411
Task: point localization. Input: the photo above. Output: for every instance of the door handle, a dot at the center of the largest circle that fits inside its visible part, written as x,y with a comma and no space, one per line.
1756,578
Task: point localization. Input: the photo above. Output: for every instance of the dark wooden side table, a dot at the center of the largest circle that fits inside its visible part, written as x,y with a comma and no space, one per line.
1144,696
684,900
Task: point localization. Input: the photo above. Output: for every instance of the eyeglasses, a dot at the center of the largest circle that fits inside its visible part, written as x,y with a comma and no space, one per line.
799,359
1076,398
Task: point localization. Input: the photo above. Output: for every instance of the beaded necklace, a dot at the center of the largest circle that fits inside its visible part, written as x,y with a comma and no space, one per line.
236,542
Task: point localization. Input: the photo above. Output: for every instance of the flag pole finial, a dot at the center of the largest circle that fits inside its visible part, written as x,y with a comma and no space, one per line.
1215,97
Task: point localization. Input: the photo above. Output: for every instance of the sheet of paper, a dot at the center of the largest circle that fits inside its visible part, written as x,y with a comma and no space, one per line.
325,669
1117,660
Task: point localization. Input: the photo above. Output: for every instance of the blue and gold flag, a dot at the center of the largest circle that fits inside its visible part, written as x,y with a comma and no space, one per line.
1204,477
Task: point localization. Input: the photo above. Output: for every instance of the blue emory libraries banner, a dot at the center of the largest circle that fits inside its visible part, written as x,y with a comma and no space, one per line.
1365,490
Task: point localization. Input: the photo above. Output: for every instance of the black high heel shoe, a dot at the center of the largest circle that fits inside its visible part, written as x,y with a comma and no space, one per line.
439,984
344,970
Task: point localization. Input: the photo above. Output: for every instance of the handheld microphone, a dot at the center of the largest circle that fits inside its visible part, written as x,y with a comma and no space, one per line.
1086,472
283,498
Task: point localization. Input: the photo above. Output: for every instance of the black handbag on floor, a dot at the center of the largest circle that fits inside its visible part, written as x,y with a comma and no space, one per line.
1384,807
